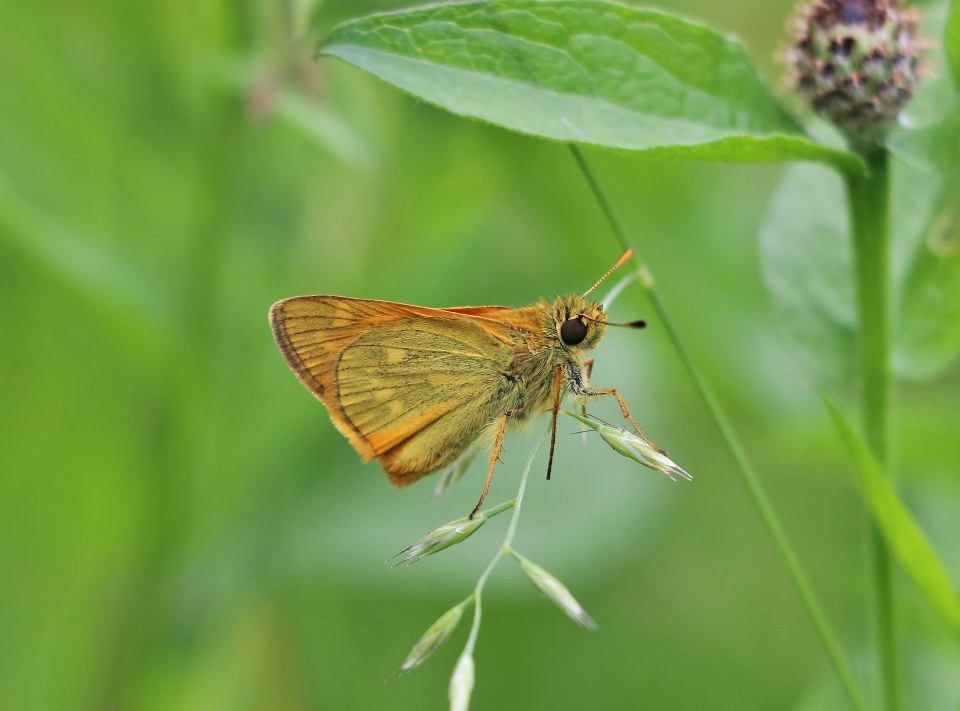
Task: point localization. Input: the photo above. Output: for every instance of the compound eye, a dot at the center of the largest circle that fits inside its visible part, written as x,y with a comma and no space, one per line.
573,331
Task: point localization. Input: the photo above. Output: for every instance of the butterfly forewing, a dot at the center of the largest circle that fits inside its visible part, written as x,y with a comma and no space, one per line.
408,385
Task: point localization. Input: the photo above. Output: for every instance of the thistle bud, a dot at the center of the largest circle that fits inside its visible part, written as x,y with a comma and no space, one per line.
856,63
555,590
431,640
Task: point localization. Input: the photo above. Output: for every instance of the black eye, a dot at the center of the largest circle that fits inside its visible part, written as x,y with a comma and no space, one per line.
573,331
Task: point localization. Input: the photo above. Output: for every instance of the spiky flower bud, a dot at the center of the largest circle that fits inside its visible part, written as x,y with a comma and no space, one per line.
633,447
461,683
438,539
556,591
856,63
431,640
450,534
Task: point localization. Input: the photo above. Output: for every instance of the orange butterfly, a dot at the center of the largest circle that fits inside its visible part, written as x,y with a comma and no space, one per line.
413,386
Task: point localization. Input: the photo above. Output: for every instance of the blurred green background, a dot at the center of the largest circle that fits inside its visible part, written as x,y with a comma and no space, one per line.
181,527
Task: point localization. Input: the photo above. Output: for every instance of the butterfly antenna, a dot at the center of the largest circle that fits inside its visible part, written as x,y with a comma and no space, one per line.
625,257
626,324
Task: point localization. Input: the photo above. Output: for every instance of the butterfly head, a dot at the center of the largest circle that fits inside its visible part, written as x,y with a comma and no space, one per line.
579,323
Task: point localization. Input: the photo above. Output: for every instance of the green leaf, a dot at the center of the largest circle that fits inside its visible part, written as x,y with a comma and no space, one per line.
934,149
805,255
589,71
936,94
899,529
127,295
928,320
951,41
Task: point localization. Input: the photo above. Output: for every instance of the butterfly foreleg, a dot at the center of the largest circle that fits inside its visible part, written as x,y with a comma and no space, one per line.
583,393
557,385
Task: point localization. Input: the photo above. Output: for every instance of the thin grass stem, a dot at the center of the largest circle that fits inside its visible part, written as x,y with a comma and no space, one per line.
505,548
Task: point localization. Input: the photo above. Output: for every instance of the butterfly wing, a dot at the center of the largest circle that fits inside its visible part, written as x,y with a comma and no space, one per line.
408,385
484,311
531,321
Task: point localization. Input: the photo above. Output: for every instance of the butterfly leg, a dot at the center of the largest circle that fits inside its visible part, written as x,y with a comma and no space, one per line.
557,384
497,446
589,393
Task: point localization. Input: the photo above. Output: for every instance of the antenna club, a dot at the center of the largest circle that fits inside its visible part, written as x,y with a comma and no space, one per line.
628,324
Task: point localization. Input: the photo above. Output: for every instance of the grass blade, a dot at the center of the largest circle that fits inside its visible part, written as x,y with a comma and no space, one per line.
902,533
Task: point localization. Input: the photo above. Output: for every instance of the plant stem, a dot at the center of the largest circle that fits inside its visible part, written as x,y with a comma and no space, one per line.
827,636
869,201
499,508
503,550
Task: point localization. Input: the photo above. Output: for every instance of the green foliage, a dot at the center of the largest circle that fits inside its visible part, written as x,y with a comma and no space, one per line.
928,319
183,528
590,72
933,149
806,252
806,260
897,525
951,40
